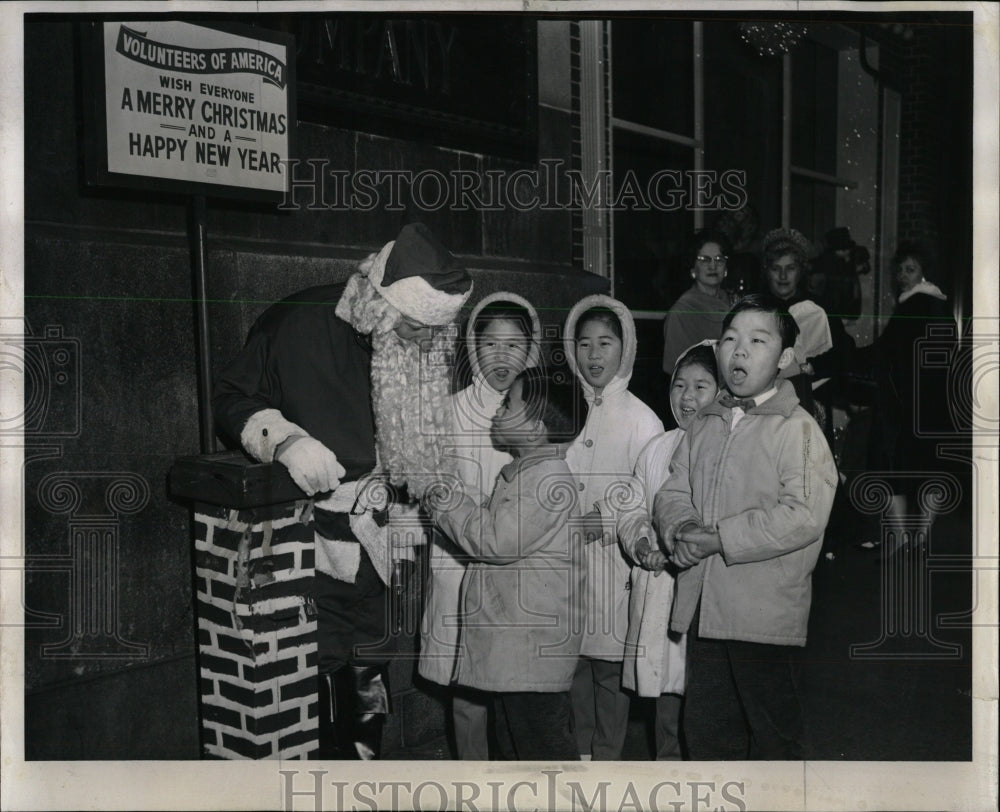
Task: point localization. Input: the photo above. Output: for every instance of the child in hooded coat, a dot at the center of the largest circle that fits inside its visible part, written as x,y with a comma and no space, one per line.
654,656
502,338
600,344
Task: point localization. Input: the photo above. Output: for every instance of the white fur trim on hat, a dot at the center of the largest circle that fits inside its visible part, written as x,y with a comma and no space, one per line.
265,431
414,296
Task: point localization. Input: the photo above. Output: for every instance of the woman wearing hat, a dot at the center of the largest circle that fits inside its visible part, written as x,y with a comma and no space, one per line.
823,348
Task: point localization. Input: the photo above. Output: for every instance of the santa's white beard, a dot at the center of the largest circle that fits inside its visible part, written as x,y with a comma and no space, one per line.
411,383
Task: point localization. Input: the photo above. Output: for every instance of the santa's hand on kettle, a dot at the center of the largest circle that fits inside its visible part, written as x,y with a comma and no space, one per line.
312,466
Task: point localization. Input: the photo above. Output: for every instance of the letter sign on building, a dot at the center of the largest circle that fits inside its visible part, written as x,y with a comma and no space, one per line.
190,108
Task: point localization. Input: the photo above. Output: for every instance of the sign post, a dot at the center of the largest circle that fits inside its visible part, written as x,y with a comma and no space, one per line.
199,110
205,420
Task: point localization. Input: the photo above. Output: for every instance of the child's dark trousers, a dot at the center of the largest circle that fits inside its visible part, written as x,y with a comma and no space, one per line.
534,726
741,701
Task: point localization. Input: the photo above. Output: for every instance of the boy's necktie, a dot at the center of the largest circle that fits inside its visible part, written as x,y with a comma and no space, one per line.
746,404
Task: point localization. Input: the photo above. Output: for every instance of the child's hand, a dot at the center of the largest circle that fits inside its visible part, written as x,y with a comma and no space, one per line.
656,562
649,558
695,543
592,527
684,555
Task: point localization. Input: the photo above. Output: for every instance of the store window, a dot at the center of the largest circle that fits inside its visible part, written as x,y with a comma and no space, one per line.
679,100
813,133
656,148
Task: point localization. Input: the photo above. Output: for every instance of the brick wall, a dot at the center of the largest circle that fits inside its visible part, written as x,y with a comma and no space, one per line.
256,632
257,639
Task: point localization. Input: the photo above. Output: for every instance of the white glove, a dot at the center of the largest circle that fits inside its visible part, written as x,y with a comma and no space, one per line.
312,465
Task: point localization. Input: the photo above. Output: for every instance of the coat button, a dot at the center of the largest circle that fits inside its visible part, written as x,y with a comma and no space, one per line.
579,486
589,443
598,401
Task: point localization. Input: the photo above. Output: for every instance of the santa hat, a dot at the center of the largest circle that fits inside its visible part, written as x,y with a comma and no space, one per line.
418,276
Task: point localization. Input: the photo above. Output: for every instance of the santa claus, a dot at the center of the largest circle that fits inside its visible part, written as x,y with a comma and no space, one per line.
346,385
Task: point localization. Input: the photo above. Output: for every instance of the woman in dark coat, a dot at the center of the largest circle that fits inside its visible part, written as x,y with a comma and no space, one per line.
895,445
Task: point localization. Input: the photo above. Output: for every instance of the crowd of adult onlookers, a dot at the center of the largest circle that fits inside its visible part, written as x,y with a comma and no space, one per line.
834,377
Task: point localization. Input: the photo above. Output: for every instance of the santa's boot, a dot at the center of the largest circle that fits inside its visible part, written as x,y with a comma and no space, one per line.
371,696
353,703
336,719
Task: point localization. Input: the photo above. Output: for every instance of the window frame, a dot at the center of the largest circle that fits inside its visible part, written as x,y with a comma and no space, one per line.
599,124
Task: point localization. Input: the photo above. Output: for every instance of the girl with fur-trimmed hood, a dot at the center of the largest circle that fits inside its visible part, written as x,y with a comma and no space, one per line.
502,338
654,656
600,344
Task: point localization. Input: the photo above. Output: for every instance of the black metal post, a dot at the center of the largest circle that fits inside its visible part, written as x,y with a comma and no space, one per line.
205,419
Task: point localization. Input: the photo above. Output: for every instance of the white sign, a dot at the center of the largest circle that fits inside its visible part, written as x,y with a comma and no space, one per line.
189,103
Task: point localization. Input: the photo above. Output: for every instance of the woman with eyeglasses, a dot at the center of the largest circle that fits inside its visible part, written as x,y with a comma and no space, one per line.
697,314
823,349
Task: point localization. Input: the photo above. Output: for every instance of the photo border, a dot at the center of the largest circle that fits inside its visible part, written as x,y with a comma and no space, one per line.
260,785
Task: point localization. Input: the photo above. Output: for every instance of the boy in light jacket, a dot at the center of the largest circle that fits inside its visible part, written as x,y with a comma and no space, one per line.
743,514
503,336
522,593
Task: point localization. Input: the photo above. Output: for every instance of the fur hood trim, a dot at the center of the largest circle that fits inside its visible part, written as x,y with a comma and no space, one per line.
629,344
534,351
